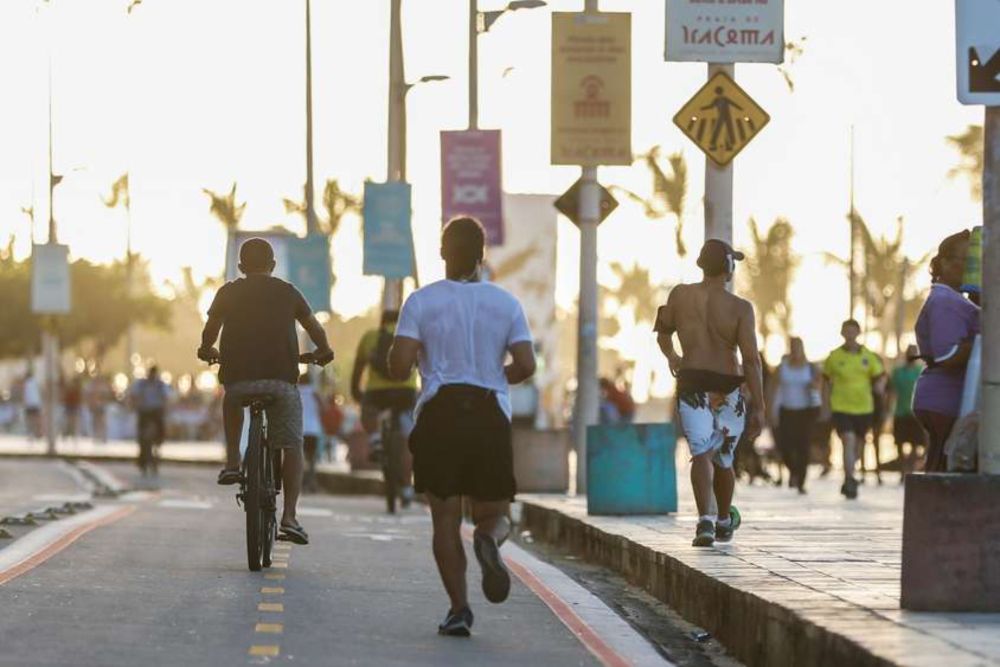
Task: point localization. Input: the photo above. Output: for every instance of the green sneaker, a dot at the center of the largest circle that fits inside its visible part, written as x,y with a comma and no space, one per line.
725,533
704,534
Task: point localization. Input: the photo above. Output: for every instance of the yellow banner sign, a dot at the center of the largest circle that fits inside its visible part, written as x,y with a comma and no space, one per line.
721,119
591,88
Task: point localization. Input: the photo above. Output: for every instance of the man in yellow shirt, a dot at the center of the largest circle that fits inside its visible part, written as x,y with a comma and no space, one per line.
376,393
851,373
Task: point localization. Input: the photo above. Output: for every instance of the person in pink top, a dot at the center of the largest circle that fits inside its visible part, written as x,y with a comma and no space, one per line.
946,327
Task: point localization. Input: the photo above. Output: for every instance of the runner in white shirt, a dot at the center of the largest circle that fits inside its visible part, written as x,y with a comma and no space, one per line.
461,330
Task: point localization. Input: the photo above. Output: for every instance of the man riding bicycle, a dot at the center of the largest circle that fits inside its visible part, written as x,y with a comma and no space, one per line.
259,354
382,394
149,397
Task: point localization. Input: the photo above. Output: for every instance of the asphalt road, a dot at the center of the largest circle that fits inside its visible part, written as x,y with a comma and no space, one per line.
167,584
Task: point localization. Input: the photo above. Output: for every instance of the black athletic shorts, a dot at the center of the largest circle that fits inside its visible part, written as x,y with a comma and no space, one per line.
461,446
856,424
907,428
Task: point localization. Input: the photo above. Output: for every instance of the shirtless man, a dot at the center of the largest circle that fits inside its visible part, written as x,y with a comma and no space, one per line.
711,324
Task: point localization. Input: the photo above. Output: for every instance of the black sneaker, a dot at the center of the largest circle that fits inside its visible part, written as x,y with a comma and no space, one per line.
496,579
457,623
725,533
850,488
226,477
704,534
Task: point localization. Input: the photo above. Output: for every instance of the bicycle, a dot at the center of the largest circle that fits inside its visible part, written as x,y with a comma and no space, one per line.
393,443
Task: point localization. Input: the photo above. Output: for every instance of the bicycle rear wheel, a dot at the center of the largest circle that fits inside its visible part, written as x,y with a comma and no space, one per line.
268,508
253,496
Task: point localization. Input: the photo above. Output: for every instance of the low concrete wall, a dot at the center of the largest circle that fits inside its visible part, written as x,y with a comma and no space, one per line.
541,460
755,630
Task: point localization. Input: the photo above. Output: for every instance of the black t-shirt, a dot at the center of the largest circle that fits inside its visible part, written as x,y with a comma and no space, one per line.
259,341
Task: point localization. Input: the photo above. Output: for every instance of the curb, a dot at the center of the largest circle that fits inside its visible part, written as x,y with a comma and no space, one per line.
755,630
105,459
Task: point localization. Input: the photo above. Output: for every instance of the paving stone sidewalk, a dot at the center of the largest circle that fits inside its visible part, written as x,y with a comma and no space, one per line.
808,562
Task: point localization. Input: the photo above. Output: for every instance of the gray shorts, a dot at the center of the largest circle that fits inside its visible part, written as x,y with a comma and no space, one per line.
284,413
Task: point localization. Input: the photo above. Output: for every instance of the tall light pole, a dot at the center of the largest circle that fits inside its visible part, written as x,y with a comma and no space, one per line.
481,22
407,87
311,225
392,294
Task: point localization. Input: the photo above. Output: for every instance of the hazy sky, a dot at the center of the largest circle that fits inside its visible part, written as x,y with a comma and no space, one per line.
188,94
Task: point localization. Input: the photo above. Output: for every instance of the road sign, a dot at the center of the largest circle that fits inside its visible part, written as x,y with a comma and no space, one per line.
978,41
50,280
720,32
309,269
388,247
569,203
591,88
470,179
721,119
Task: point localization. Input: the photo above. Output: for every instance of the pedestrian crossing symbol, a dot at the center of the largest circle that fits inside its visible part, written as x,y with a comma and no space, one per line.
721,119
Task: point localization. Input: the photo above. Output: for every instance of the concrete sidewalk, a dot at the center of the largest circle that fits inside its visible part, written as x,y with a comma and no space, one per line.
808,580
115,450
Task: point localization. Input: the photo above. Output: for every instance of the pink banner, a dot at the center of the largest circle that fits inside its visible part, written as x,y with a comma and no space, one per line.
470,179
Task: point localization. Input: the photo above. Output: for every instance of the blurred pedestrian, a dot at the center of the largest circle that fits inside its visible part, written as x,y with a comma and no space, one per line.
607,409
97,395
794,402
31,401
946,328
312,429
906,428
72,400
149,397
851,372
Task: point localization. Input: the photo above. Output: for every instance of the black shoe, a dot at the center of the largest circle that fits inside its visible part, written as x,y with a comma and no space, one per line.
704,534
496,579
850,488
226,477
725,533
293,532
457,623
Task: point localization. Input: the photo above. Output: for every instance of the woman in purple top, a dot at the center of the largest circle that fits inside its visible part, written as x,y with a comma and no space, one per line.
946,327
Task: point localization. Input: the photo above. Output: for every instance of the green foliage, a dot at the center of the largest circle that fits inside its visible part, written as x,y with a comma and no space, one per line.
103,308
669,192
635,291
225,208
337,203
970,147
770,270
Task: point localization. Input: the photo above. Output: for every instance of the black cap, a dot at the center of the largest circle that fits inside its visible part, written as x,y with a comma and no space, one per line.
717,256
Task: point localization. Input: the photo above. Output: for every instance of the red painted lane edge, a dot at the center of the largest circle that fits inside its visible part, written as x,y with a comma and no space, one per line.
570,619
64,541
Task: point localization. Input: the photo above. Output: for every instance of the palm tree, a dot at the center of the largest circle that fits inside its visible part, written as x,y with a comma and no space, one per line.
771,268
225,208
970,146
793,50
337,203
669,192
886,271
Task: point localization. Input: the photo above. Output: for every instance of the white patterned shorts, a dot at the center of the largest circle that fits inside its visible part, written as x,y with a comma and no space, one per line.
284,413
712,422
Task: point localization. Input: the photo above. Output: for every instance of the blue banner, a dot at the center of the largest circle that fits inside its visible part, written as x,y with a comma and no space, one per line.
309,269
388,235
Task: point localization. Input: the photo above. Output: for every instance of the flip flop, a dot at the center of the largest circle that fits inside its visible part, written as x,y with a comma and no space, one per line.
293,533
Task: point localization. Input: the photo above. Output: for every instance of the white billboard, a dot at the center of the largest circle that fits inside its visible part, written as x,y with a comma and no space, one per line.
50,283
723,31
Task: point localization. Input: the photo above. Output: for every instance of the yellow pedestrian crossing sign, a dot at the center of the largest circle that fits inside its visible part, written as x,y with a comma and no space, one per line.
721,119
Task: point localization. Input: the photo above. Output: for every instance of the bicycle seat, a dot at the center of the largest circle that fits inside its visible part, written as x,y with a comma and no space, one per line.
259,399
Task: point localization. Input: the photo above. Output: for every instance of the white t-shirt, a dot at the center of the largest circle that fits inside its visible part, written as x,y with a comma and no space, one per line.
32,394
311,424
465,331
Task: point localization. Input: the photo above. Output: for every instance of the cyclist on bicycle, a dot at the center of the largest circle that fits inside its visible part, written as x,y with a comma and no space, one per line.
381,393
259,354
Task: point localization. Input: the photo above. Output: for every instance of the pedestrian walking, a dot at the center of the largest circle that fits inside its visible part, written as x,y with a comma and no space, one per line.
312,430
906,428
946,327
851,373
712,324
31,401
461,330
72,400
794,399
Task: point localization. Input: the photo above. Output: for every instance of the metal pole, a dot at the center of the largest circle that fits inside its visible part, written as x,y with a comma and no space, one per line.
719,184
587,405
129,278
854,239
50,343
473,64
311,225
392,295
989,424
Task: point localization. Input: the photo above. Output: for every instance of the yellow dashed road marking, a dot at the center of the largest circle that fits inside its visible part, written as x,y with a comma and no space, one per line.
274,576
267,650
270,606
270,628
272,590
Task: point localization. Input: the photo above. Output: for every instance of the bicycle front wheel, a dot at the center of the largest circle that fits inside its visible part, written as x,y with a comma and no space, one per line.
253,496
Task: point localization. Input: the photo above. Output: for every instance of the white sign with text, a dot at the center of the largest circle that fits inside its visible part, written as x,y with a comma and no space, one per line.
726,31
